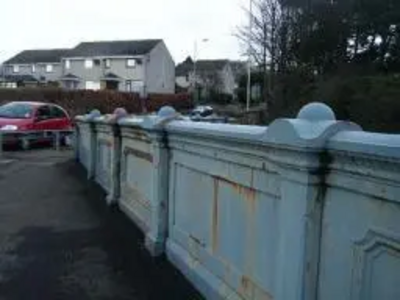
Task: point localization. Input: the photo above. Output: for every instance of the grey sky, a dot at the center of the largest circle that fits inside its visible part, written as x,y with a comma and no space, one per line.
31,24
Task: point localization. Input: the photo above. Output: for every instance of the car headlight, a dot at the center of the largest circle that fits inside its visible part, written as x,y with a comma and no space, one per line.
9,127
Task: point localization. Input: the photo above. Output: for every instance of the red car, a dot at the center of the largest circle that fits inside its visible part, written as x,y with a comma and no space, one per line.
28,123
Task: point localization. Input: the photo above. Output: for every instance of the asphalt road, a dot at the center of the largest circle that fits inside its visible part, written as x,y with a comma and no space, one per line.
58,240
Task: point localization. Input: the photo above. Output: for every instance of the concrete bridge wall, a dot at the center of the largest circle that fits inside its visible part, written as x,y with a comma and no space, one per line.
307,208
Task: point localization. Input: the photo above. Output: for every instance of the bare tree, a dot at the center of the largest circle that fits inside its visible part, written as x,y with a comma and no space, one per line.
268,41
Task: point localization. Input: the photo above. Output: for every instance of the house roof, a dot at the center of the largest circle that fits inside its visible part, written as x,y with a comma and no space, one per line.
201,66
38,56
211,65
111,77
71,77
105,48
184,67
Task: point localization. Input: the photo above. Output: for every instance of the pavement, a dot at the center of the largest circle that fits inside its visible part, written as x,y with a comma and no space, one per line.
58,240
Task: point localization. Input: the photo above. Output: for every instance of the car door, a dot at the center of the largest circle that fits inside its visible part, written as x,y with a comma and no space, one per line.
60,118
42,123
43,119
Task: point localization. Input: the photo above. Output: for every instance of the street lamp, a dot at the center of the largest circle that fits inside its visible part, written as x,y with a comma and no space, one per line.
248,94
195,65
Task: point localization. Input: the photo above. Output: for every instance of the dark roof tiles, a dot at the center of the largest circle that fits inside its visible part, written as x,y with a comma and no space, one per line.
201,66
113,48
38,56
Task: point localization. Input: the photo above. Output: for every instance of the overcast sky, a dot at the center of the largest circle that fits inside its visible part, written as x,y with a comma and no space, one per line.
31,24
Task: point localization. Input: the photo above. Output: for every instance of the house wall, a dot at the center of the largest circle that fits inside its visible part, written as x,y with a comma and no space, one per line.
307,208
77,68
160,71
117,66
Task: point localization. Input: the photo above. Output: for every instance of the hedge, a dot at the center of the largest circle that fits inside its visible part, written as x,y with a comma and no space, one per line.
82,101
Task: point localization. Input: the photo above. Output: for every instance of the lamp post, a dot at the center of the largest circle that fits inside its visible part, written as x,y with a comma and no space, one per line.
248,90
195,68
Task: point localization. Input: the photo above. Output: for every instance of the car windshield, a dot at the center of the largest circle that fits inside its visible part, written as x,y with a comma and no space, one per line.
16,111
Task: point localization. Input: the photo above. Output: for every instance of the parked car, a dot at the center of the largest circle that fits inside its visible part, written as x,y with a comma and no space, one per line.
206,114
202,111
28,123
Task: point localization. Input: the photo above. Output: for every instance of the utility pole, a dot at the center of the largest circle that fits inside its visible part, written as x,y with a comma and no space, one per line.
248,90
194,81
194,73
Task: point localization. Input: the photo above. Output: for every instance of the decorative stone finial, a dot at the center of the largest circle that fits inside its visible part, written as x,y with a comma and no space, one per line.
316,111
94,114
166,112
164,115
120,112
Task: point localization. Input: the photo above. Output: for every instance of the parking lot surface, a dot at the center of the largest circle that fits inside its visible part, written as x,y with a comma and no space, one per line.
58,240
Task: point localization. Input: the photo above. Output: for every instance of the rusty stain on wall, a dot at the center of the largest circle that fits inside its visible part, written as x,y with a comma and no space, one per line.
137,135
248,193
140,154
105,142
250,290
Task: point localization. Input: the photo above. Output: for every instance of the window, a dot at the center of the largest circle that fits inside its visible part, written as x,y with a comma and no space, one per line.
67,64
137,86
88,63
49,68
43,113
11,85
57,113
107,63
33,68
16,110
130,63
15,68
96,62
128,85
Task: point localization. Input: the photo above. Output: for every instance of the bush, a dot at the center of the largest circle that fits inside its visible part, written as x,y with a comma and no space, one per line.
181,102
370,101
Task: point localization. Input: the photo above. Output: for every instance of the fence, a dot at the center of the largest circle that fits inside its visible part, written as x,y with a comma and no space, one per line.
306,208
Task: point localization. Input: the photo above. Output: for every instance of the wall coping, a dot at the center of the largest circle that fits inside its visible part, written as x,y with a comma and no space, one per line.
225,131
367,143
314,126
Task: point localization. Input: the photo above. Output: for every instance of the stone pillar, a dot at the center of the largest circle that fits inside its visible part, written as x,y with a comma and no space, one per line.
115,189
92,151
303,163
76,141
93,142
156,236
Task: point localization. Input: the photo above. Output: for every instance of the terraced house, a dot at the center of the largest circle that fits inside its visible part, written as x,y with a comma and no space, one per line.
33,67
142,66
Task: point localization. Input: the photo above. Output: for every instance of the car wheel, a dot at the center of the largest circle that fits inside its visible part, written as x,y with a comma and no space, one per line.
25,144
